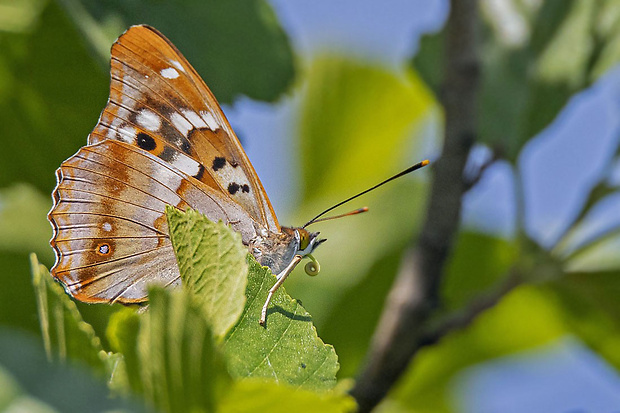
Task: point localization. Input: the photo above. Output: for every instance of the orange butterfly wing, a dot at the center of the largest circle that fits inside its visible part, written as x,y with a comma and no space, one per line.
159,103
162,139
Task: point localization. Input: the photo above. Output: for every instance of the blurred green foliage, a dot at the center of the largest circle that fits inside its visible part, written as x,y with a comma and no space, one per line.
359,122
528,74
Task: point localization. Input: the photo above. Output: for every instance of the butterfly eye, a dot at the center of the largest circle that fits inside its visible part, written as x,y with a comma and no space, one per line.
304,240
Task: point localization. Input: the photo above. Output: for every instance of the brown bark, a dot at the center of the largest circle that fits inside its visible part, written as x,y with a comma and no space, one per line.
403,327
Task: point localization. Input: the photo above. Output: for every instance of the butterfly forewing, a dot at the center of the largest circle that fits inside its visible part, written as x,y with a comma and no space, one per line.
160,104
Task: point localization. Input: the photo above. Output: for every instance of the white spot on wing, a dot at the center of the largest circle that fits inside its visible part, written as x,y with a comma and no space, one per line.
186,164
177,65
107,227
127,134
182,124
111,131
129,96
229,174
149,120
167,178
195,119
210,120
169,73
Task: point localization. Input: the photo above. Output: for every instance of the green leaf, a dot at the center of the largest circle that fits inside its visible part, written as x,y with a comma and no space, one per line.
18,306
65,335
212,262
170,353
477,263
19,16
29,383
597,255
23,223
263,396
363,111
51,94
238,46
287,349
591,309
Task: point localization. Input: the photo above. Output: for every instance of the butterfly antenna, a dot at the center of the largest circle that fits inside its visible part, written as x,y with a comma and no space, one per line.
357,211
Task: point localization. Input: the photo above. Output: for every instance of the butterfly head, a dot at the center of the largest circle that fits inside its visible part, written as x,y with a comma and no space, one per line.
277,250
307,241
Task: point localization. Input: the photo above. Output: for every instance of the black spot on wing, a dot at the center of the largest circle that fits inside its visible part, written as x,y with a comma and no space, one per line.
185,147
169,154
146,142
233,188
245,188
201,172
218,163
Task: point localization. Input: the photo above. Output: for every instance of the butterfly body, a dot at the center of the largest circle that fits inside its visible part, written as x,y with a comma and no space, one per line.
162,139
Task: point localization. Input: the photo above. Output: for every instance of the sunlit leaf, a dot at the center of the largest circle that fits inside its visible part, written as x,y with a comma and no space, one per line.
212,262
356,125
263,396
598,255
287,349
19,16
360,123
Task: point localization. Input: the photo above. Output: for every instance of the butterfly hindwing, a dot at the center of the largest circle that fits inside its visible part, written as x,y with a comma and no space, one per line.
160,104
110,229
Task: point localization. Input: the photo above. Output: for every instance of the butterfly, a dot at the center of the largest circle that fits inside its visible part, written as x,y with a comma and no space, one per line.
162,139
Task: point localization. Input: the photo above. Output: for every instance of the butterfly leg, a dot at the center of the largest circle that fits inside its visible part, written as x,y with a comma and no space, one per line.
281,277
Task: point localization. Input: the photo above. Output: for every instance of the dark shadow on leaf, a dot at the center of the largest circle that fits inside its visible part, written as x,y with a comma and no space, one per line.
288,314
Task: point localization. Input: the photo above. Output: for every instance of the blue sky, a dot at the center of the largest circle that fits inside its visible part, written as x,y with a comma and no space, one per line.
556,169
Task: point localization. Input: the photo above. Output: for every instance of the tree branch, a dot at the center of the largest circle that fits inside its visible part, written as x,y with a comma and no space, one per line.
464,317
415,294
